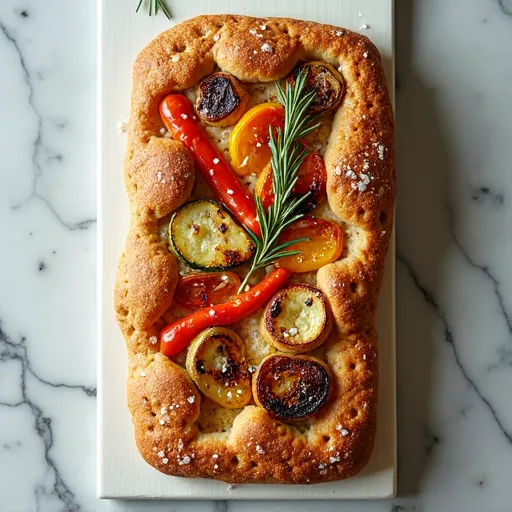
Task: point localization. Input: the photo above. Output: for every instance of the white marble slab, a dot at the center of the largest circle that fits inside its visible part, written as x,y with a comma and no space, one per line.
454,282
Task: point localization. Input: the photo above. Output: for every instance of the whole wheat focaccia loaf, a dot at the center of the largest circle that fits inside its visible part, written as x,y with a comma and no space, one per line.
298,407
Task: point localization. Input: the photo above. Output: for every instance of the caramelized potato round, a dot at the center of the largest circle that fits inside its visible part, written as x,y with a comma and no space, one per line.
291,387
326,81
221,99
297,319
217,364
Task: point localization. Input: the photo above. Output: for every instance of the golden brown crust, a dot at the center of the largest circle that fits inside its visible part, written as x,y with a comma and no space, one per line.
361,187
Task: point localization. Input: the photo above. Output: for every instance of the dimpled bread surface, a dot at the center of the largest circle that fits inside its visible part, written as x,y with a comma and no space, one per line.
178,430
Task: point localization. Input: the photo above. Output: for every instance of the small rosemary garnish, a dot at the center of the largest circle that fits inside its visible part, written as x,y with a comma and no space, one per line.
287,157
154,6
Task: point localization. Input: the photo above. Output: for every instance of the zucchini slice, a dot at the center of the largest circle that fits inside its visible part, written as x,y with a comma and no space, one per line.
221,99
327,83
291,387
204,235
216,361
297,319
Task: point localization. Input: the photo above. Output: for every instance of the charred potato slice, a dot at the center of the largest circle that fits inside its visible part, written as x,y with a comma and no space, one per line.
291,387
221,99
297,319
204,235
216,362
326,81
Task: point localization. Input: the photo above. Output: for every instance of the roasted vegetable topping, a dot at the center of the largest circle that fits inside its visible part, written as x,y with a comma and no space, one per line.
178,117
221,99
203,235
249,140
291,387
200,290
176,336
312,178
216,362
297,319
324,246
327,83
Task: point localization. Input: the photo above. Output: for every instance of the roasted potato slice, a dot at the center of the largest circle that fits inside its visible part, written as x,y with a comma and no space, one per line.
291,387
326,81
216,362
221,99
297,319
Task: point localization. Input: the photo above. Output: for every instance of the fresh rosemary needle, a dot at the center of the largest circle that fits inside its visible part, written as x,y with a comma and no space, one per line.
287,157
155,6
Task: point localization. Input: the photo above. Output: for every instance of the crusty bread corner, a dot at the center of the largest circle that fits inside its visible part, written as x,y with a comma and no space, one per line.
159,176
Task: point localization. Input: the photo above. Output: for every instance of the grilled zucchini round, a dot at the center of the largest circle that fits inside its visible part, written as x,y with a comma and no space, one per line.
327,83
217,363
204,235
221,99
291,387
297,319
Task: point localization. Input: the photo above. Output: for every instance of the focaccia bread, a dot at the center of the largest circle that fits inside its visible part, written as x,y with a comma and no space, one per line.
179,429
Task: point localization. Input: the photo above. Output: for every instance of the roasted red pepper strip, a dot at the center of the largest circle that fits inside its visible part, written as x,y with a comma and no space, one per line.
176,336
178,116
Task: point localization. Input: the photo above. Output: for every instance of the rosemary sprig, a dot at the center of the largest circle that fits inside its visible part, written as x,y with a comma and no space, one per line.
154,6
287,157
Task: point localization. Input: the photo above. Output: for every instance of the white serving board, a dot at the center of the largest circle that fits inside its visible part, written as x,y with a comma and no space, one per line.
122,473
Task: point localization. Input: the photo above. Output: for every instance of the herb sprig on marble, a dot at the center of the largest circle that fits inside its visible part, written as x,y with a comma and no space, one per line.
155,6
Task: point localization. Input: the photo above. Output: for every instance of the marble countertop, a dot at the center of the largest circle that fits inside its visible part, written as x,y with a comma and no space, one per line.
454,282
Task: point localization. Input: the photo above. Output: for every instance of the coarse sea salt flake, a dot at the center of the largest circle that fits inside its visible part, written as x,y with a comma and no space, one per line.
175,58
216,160
142,373
259,449
365,55
265,47
339,33
153,340
216,37
191,399
184,116
161,454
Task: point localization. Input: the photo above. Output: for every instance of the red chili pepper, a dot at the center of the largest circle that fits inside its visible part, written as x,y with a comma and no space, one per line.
179,118
176,336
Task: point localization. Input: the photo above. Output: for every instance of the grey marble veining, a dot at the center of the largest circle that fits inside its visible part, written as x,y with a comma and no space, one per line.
454,283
